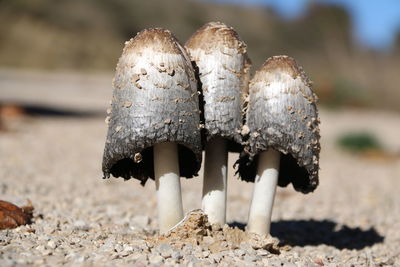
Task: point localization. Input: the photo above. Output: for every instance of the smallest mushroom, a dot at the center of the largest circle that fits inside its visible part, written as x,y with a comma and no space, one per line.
283,145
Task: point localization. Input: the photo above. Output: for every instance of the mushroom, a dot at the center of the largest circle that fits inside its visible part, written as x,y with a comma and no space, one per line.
283,144
222,66
153,122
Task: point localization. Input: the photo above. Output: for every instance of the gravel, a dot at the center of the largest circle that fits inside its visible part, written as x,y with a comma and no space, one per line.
55,161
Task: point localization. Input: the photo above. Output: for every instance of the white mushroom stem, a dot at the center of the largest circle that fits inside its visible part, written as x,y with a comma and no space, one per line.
215,181
264,192
168,185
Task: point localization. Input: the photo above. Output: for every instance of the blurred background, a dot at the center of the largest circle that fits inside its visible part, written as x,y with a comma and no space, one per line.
350,49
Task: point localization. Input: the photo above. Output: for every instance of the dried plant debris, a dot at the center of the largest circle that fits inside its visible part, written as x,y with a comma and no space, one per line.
196,230
12,216
8,111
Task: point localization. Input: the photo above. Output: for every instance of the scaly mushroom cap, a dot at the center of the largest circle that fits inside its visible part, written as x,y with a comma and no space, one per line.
282,115
154,100
223,69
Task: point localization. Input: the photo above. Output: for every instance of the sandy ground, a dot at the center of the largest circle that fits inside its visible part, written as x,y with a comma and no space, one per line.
53,158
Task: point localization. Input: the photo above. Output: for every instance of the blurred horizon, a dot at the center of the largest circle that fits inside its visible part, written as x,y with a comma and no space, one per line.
82,36
375,23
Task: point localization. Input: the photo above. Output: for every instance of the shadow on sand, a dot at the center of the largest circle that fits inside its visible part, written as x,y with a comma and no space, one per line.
326,232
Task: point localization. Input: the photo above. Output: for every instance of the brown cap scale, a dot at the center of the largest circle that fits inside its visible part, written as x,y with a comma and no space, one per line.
283,144
222,65
154,119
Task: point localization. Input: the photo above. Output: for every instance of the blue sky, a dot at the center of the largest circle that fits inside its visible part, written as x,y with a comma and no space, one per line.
375,22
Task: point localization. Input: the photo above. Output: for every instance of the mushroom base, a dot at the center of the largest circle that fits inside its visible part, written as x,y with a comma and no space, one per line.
264,192
168,185
215,181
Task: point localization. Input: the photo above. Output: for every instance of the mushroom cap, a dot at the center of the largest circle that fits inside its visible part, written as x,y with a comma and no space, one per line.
282,115
222,65
154,100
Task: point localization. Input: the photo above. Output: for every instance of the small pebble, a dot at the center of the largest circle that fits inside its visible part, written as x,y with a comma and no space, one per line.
165,250
156,259
51,244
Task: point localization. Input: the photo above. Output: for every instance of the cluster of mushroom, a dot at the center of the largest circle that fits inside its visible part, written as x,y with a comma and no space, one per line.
171,102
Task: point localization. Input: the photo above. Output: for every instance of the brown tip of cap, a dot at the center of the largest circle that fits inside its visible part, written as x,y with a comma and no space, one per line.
160,40
215,34
285,64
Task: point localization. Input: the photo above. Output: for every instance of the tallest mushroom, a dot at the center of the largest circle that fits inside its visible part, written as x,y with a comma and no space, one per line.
153,122
223,69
